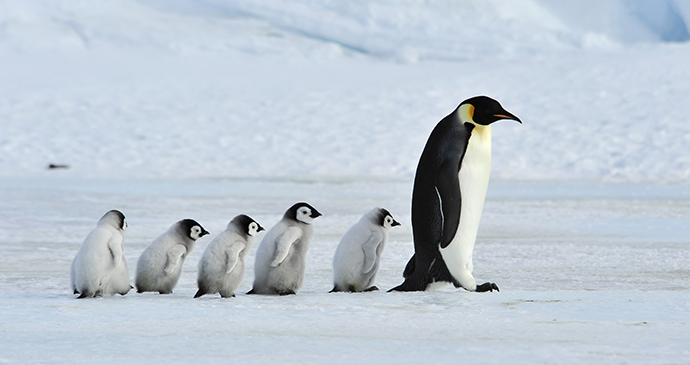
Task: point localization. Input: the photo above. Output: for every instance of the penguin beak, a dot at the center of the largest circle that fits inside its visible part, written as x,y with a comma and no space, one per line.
507,115
315,213
395,223
260,229
203,233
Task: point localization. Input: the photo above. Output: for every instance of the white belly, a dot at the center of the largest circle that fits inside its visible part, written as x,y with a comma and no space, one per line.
474,180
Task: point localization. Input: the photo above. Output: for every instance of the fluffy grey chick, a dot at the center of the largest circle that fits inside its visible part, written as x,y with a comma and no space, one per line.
221,267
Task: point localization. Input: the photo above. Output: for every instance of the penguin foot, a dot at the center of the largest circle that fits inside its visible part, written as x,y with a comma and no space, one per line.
251,292
286,292
373,288
228,296
335,290
199,293
487,287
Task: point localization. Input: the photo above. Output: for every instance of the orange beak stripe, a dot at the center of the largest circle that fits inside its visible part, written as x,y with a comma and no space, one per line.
502,116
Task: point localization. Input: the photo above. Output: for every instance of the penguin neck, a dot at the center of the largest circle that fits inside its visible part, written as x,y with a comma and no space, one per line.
480,133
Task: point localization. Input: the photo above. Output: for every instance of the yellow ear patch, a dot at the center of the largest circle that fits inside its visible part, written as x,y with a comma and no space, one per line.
470,111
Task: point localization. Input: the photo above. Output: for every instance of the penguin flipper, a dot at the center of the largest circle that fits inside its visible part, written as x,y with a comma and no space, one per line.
115,247
283,244
447,186
370,248
174,255
232,256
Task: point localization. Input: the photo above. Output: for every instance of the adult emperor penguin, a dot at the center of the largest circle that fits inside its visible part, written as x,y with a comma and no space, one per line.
280,258
358,255
221,267
160,265
448,196
100,266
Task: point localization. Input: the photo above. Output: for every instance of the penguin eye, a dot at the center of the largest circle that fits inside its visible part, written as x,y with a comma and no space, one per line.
252,227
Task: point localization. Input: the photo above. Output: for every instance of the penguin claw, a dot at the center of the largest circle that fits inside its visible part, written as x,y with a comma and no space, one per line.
487,287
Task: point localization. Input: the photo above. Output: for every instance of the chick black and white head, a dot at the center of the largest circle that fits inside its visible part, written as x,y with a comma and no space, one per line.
191,229
115,218
302,212
247,225
483,110
385,219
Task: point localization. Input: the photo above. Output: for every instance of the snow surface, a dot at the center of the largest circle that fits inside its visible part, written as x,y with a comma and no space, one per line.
207,109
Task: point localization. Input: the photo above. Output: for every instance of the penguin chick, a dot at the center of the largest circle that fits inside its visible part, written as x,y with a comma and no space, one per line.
358,255
280,260
100,266
160,265
221,267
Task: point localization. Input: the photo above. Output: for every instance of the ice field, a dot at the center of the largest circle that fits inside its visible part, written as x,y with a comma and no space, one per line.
588,273
207,109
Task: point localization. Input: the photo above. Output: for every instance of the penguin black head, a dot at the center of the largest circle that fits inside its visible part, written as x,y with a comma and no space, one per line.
385,219
115,218
247,225
302,212
482,110
192,229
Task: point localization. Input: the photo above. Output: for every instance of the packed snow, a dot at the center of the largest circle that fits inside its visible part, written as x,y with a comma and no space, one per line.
206,109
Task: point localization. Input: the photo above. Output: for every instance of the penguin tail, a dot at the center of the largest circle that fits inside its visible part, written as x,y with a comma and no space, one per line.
413,281
418,275
335,289
487,287
409,285
409,268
